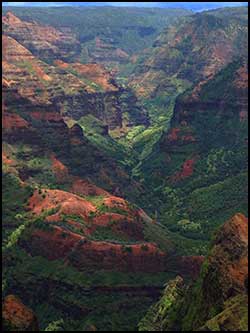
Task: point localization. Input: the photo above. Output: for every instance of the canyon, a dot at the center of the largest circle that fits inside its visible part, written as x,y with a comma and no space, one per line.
115,179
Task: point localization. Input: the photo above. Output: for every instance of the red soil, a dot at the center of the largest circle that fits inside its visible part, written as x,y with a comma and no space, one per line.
59,244
7,160
18,315
59,169
12,121
84,187
186,171
116,202
173,134
232,239
67,203
106,218
241,80
189,265
46,116
93,72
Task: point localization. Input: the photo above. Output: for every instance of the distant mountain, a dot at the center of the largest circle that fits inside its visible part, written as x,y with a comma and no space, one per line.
195,6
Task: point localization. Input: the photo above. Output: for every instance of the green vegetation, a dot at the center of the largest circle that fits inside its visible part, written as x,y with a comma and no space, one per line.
111,25
93,130
75,291
14,201
138,161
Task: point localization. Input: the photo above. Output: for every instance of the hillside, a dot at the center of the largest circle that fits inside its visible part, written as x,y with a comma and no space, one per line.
218,300
105,34
203,150
185,54
124,151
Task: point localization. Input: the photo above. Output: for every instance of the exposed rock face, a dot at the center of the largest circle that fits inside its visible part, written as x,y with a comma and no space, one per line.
68,203
87,254
155,318
228,260
188,125
73,89
217,300
43,41
92,72
34,106
76,248
17,316
105,51
191,51
207,135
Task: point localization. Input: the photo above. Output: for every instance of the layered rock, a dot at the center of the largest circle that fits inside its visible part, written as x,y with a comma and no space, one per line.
191,51
73,89
204,151
45,42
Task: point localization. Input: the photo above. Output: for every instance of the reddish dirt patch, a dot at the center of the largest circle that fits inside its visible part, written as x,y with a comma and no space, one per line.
67,203
95,73
239,271
130,227
186,171
83,253
59,169
189,265
13,51
61,64
173,134
6,159
116,202
46,116
84,187
107,218
19,316
12,121
230,254
240,224
121,54
54,244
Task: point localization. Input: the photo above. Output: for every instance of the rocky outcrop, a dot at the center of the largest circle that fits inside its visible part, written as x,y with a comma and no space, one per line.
44,42
155,319
17,316
191,51
95,73
218,299
72,89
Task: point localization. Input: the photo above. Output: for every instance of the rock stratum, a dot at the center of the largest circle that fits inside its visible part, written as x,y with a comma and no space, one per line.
88,161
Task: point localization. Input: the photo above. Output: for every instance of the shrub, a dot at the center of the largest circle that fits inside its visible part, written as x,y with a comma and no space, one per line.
144,247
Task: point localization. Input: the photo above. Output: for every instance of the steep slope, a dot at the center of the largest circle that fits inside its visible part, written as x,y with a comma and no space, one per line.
88,254
203,151
186,54
203,155
218,300
43,41
68,236
106,35
16,316
191,51
76,90
73,237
